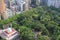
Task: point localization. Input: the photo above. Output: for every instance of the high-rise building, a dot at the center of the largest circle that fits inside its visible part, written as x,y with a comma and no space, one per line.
17,5
43,2
3,13
38,2
55,3
27,4
35,3
7,3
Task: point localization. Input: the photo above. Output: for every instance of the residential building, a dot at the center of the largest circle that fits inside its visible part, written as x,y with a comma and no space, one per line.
55,3
3,13
35,3
17,5
7,3
26,5
38,2
43,2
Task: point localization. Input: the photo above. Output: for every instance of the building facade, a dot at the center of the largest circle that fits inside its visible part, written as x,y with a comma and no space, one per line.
43,2
55,3
38,2
8,8
3,13
17,5
34,3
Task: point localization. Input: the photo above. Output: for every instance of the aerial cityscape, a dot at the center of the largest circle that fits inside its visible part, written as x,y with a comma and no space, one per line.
29,19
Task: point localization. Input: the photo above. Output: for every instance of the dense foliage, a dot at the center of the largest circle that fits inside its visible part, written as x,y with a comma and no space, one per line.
43,20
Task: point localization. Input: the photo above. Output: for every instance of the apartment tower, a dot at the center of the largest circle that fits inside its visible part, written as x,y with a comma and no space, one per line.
55,3
3,13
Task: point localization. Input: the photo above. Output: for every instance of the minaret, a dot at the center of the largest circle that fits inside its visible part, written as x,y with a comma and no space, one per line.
3,13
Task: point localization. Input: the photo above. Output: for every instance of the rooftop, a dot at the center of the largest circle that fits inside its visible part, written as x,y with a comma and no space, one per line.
9,33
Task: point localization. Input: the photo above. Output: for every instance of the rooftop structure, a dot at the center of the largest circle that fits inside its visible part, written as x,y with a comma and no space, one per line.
9,34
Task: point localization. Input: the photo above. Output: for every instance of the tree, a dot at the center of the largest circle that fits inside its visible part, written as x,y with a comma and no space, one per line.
40,37
26,33
58,38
